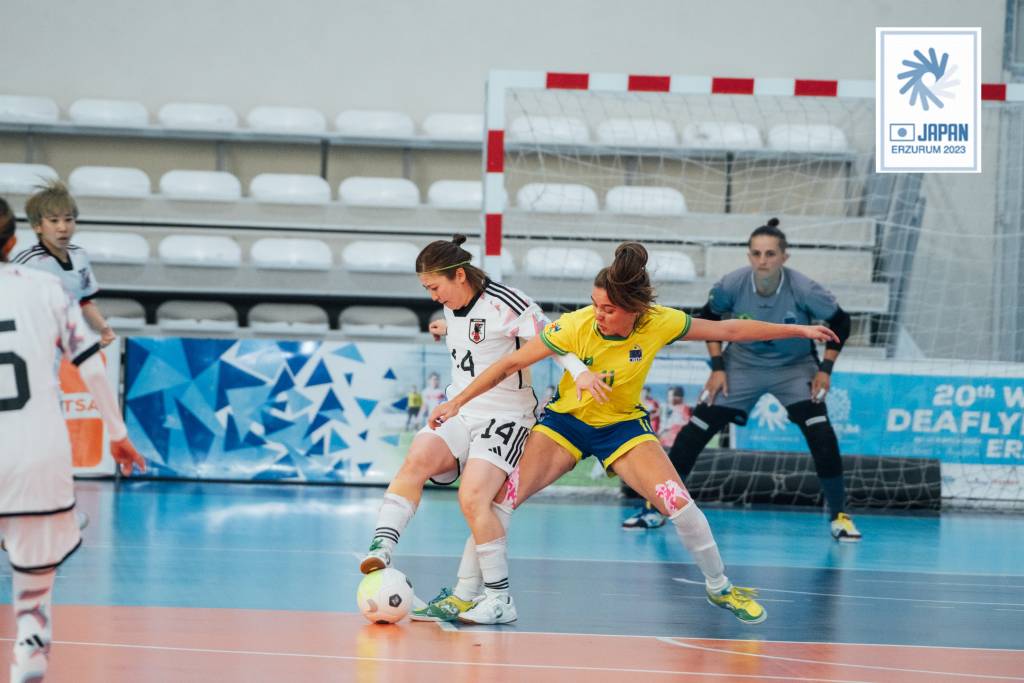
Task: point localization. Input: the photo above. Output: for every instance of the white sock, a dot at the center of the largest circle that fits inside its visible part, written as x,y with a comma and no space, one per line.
470,577
494,566
695,533
33,594
395,513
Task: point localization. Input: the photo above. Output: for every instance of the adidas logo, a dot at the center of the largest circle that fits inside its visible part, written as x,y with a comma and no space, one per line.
496,450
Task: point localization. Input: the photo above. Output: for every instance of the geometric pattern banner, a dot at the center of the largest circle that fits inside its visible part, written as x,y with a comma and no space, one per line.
255,409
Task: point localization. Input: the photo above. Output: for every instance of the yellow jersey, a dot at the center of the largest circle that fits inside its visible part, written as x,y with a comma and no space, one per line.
625,361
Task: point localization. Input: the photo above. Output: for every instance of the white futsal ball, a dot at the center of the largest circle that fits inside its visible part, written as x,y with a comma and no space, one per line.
384,596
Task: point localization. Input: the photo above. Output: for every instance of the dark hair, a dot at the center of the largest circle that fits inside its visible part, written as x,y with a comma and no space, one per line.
626,279
446,257
7,224
771,229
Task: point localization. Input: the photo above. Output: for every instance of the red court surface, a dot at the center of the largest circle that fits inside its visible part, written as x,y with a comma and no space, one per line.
163,645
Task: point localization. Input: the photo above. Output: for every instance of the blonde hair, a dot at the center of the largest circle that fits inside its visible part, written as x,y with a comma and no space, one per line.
53,198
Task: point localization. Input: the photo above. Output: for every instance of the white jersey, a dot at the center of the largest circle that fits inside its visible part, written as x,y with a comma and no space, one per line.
76,275
494,324
37,320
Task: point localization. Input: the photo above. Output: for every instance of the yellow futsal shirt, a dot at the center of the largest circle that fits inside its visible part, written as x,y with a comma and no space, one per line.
625,360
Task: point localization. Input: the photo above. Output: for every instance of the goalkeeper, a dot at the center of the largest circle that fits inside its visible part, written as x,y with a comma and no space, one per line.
786,368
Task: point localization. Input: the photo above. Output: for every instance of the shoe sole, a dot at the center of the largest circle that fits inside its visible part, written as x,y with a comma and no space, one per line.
847,539
416,617
764,614
371,564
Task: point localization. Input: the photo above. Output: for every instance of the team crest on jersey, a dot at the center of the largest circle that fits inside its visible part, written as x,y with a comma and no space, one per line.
477,330
84,279
636,354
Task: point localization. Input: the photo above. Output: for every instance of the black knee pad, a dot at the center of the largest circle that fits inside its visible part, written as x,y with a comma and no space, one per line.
812,419
711,418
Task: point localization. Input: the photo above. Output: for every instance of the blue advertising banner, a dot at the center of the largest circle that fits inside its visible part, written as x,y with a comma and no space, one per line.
960,419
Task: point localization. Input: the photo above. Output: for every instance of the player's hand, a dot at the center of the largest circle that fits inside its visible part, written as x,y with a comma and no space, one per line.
126,456
819,333
442,413
592,384
820,386
716,383
107,336
438,328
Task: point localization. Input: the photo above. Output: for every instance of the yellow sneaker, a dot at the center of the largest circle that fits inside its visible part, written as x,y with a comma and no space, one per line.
844,530
741,602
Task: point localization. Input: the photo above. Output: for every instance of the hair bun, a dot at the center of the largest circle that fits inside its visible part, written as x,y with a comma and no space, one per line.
458,239
773,222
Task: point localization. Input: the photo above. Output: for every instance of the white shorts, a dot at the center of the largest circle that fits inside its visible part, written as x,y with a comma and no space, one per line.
35,542
499,440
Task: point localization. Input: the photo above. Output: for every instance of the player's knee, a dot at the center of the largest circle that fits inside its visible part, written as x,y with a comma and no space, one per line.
712,418
474,501
807,413
672,496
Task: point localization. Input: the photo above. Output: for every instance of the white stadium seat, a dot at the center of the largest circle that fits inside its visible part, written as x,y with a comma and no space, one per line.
91,112
469,127
197,116
556,198
671,266
637,133
371,256
645,201
290,188
210,186
210,251
508,262
549,129
807,138
24,178
113,247
379,192
286,120
109,181
197,316
288,319
27,109
280,253
122,314
563,262
722,135
460,195
374,124
379,321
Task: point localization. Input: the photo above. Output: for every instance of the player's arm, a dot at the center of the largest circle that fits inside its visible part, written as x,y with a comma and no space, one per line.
95,377
717,380
93,316
756,330
839,323
531,324
533,351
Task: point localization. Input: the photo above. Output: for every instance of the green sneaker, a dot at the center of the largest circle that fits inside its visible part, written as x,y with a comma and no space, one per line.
741,602
377,557
445,607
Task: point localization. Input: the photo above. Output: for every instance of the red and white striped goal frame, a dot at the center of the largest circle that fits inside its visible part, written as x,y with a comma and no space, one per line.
499,82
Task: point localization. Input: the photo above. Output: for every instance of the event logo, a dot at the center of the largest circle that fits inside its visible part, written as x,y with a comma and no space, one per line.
769,413
928,100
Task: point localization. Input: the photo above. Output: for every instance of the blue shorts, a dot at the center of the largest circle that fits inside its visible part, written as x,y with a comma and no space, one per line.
607,444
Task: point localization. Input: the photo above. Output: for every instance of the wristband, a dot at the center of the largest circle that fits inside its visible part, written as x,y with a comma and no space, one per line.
717,364
826,366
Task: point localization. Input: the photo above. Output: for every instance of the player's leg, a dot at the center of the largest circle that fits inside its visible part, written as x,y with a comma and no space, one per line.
645,468
430,455
543,460
36,546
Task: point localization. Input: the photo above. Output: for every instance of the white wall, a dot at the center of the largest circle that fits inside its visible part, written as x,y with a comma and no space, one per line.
422,56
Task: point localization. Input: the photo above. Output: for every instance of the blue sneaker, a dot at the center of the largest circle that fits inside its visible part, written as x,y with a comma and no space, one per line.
644,518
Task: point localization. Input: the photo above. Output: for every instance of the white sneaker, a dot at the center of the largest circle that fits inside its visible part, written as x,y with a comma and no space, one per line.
377,557
29,663
492,609
844,530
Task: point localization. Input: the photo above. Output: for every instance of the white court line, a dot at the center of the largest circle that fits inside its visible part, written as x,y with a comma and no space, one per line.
869,597
448,626
716,650
940,583
440,662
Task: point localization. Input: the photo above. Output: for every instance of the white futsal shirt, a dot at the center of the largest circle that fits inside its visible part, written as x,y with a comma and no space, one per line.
37,320
76,275
494,324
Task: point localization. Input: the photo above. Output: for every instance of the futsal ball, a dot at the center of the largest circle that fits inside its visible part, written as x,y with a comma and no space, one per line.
384,596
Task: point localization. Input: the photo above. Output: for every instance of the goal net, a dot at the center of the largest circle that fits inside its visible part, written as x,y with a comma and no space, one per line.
928,395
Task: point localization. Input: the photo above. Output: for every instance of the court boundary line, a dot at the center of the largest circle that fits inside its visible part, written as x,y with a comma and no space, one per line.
800,660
